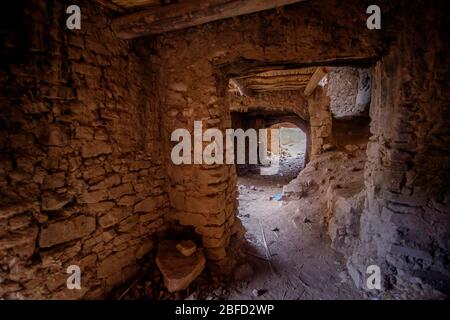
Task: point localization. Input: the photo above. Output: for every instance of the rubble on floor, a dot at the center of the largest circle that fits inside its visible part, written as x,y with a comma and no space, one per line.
177,269
186,247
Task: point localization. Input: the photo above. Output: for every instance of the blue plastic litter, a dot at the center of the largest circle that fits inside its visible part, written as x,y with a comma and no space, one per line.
278,196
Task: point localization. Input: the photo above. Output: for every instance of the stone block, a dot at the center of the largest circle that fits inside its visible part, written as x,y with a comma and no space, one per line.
144,249
138,165
113,217
150,216
95,148
186,247
178,271
147,205
94,197
52,202
100,206
119,191
107,183
216,253
114,263
205,204
54,181
67,230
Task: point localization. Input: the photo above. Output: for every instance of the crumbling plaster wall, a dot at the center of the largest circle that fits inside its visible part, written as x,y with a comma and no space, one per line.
80,168
193,69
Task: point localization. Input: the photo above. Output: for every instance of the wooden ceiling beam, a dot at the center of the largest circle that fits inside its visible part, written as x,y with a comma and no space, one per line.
136,3
187,14
315,79
111,5
243,90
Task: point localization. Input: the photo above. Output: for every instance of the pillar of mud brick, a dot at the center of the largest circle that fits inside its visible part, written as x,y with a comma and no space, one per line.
202,196
320,120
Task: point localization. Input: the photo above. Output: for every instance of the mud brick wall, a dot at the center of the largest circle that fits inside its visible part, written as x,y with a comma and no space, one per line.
81,180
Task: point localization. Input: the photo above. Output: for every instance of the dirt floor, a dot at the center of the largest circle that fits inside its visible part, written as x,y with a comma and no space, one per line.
287,244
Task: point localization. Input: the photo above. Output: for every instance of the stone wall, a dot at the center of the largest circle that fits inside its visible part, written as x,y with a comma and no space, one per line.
349,90
194,66
86,180
320,120
406,222
81,181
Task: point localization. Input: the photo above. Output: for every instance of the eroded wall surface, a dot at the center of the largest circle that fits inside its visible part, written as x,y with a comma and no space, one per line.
81,178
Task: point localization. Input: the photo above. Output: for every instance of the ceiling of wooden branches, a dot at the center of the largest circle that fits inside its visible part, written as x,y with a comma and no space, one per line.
273,80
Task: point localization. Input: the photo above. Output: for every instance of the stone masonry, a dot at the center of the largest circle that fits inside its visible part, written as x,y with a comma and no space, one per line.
85,123
81,180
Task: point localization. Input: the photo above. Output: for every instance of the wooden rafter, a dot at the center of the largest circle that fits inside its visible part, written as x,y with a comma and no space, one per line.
136,3
111,5
187,13
243,90
315,79
273,80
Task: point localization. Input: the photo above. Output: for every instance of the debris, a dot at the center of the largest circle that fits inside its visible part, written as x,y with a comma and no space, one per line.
351,147
186,247
259,292
278,196
303,282
178,271
131,286
218,292
268,255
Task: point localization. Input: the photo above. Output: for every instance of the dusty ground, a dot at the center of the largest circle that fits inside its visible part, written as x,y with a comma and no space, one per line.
287,244
302,263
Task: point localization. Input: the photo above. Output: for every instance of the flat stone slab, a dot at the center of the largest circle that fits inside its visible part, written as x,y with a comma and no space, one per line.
186,247
178,270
